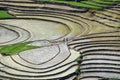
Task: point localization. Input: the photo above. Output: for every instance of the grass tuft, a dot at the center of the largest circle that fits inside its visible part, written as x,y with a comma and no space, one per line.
4,14
16,48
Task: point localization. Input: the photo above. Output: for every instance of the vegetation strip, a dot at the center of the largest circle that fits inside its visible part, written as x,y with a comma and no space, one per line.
85,3
16,48
4,14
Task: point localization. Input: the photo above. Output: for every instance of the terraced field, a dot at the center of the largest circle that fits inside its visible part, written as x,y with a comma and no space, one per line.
46,41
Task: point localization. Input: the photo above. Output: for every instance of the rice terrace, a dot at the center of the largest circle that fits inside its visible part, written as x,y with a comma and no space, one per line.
59,39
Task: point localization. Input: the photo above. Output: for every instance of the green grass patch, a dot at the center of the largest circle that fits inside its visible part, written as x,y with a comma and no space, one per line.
113,79
91,4
4,14
78,4
105,2
16,48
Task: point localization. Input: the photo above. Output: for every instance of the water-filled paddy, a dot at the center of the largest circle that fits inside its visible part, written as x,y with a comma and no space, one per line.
7,35
35,29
